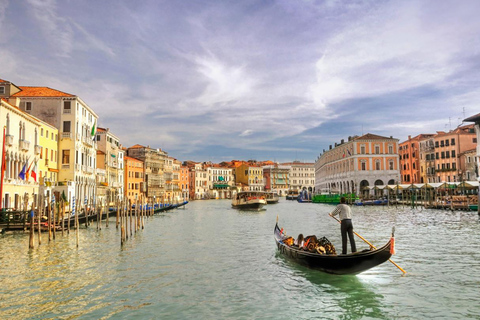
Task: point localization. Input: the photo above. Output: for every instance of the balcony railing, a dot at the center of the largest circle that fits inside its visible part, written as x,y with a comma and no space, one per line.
24,145
38,149
66,135
89,170
65,166
8,139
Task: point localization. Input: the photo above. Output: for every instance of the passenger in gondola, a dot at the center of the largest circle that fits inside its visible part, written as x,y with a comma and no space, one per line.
299,241
346,227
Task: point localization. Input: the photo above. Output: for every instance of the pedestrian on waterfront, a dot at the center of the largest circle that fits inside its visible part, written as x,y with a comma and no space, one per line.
346,226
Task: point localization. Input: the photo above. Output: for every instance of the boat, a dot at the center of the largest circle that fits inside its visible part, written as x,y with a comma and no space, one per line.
352,263
272,197
292,195
473,207
249,200
333,198
378,202
304,196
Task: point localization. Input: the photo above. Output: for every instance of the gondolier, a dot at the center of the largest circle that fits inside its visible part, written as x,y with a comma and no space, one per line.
345,214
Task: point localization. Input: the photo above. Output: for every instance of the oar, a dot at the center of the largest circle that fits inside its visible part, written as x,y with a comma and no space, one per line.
371,245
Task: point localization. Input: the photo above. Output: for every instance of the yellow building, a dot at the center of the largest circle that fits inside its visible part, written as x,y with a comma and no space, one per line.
47,160
251,177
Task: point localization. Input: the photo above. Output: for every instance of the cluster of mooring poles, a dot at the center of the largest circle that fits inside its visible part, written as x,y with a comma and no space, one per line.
52,216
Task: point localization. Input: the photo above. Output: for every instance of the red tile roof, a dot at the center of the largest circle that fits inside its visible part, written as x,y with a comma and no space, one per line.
40,92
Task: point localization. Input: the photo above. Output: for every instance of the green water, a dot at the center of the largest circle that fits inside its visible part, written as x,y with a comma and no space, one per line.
209,261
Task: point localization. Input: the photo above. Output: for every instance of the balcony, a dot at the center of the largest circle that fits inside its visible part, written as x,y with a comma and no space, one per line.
65,166
88,141
24,145
9,140
38,149
67,135
78,167
89,170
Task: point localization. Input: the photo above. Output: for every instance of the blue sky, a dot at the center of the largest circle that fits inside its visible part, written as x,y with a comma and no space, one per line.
265,80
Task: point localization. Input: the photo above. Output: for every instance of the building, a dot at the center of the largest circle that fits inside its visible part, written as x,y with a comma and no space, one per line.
153,164
176,184
198,178
409,152
301,176
20,185
134,178
75,121
470,165
448,147
358,164
184,183
220,181
250,176
427,160
276,178
109,145
47,161
476,120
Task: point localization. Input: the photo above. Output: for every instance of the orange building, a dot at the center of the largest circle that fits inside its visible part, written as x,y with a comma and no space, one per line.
134,178
184,180
409,152
448,147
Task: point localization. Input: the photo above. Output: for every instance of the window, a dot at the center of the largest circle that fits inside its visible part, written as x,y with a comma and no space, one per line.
436,144
390,165
447,154
447,143
362,149
377,165
474,140
453,153
453,142
454,166
66,126
65,156
67,107
443,155
377,149
364,166
2,90
28,106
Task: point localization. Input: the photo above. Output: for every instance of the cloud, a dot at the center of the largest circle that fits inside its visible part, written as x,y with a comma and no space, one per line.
55,28
246,133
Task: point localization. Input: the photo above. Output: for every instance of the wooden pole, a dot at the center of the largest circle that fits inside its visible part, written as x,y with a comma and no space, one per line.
63,217
39,211
32,221
371,245
54,226
49,218
77,226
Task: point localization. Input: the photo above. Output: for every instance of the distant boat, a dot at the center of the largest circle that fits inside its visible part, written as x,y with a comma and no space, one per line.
272,197
292,195
304,196
249,200
333,198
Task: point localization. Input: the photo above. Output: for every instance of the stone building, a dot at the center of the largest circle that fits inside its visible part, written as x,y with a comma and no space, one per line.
276,178
356,165
154,164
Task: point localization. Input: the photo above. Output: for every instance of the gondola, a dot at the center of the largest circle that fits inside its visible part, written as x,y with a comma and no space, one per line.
352,263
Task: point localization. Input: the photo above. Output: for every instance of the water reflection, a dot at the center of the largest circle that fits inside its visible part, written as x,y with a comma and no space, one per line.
352,297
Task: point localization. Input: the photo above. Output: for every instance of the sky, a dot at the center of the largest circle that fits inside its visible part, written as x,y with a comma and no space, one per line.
264,80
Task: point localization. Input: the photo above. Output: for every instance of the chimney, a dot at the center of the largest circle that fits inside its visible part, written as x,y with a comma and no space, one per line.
343,141
330,147
409,137
349,138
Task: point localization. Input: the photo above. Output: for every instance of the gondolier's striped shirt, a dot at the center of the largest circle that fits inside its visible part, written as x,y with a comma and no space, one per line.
343,211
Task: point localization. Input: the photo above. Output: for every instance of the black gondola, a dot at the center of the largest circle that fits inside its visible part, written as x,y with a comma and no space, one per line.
352,263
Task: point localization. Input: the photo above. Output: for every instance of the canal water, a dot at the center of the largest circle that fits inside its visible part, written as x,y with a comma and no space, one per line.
209,261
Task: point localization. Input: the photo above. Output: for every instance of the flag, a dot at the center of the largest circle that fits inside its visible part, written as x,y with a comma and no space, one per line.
27,174
34,172
94,129
22,173
343,154
349,152
64,197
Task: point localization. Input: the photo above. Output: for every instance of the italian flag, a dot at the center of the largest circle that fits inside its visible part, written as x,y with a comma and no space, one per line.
94,129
